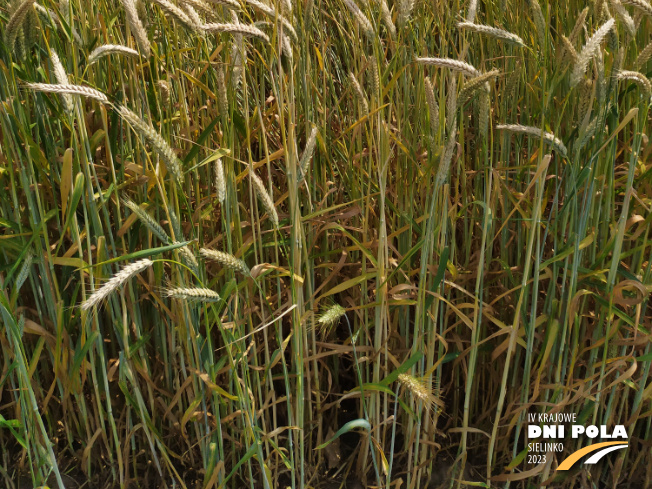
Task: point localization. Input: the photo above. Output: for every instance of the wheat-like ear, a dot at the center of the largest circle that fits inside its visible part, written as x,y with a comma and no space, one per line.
641,5
579,25
421,389
361,19
473,84
589,51
451,130
273,14
24,271
159,144
220,181
536,132
16,22
539,21
308,151
108,49
136,27
433,106
644,56
194,17
387,19
473,9
485,111
203,7
623,16
192,294
639,78
265,198
225,259
115,282
62,79
329,318
568,52
232,4
453,64
172,10
150,223
362,98
69,89
245,30
494,32
405,8
188,257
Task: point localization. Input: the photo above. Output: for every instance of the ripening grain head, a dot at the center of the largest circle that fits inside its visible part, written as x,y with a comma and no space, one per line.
136,27
108,49
538,133
589,51
69,89
115,282
453,64
494,32
192,294
159,144
265,198
420,389
224,259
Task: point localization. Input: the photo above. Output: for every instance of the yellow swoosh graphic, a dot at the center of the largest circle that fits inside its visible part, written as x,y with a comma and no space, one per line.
574,457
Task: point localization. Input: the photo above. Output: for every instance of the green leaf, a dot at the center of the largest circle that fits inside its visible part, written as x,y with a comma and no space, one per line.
351,425
143,253
407,365
202,137
216,154
441,271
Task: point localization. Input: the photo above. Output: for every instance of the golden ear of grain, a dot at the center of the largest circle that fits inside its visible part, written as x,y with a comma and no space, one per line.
69,89
159,144
62,79
579,26
433,106
245,30
420,390
267,201
308,151
273,14
641,5
453,64
387,19
361,19
362,98
116,281
478,82
220,181
405,8
548,137
225,259
136,27
471,13
623,16
108,49
149,222
172,10
192,294
494,32
331,315
203,7
589,51
644,56
15,22
639,78
539,21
